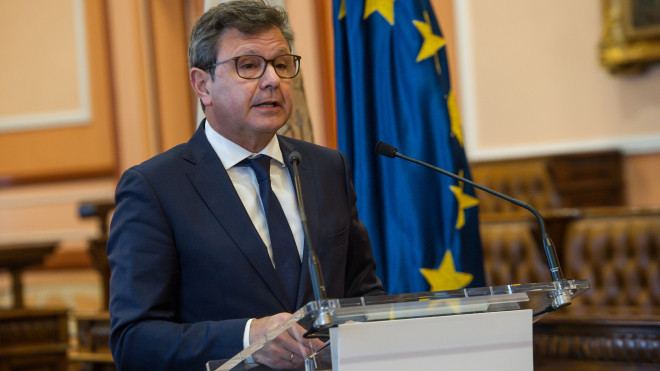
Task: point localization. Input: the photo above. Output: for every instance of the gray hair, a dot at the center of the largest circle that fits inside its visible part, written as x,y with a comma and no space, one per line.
247,16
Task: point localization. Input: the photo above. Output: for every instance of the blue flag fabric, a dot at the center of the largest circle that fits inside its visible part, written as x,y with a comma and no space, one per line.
393,85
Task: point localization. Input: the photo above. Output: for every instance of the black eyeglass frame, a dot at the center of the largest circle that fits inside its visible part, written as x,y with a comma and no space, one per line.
296,61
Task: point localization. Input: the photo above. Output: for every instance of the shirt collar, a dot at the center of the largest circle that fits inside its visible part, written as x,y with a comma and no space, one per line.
231,153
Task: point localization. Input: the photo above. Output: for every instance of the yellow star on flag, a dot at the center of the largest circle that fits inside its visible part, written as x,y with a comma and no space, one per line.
455,117
342,10
465,201
432,43
384,7
445,277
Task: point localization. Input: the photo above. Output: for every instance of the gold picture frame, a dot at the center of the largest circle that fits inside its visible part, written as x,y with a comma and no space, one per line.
631,35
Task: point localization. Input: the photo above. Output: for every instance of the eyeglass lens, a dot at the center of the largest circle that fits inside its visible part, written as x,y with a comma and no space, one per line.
254,66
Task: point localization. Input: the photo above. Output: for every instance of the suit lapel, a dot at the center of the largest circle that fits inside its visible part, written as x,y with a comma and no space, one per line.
214,186
309,189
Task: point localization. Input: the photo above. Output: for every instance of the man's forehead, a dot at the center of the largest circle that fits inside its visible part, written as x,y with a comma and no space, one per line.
233,38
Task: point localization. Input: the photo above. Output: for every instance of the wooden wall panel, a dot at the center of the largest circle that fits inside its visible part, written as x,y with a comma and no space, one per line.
81,149
170,51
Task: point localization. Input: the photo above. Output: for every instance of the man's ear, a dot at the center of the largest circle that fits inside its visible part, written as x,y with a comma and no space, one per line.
201,83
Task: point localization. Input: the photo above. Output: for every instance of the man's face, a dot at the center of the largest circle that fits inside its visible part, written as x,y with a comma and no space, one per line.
248,112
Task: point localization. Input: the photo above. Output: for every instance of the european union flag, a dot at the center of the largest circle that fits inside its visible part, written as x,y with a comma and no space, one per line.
393,85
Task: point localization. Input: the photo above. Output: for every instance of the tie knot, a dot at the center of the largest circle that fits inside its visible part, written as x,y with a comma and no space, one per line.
260,165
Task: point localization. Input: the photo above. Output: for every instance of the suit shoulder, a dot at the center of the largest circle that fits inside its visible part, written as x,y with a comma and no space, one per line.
162,161
308,148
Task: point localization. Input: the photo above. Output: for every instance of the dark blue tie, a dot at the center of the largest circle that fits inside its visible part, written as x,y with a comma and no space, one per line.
285,252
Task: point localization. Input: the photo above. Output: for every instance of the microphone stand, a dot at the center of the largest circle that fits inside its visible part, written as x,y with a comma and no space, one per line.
324,320
561,298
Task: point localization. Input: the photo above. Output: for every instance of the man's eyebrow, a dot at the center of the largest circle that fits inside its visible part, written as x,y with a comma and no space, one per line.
279,51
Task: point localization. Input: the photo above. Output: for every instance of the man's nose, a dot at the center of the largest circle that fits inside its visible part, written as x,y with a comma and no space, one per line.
270,78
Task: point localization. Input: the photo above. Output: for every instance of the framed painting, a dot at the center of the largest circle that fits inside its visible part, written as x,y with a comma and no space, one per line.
631,35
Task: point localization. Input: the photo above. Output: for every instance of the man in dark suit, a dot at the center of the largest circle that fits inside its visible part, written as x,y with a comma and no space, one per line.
201,264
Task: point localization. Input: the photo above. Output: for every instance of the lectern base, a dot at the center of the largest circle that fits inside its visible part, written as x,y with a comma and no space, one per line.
483,341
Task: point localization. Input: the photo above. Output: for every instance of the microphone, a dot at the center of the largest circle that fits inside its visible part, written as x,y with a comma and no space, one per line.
324,319
562,299
313,260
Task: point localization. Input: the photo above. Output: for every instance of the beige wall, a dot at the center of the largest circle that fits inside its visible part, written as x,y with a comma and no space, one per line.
533,83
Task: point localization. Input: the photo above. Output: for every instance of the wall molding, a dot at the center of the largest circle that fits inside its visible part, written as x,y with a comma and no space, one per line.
633,145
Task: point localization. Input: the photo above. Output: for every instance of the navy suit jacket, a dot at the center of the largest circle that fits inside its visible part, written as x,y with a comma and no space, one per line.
189,268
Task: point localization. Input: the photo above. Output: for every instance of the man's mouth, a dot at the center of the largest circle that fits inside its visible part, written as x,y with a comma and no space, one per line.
268,105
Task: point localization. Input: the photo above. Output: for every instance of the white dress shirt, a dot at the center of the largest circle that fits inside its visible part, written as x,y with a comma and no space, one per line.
247,187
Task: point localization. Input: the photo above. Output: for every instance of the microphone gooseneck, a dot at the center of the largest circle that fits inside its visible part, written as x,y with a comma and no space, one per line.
313,261
388,150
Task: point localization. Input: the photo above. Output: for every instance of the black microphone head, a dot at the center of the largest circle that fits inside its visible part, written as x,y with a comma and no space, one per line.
294,156
386,149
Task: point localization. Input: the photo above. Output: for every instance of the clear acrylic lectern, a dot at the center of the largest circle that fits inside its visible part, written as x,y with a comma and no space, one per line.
323,317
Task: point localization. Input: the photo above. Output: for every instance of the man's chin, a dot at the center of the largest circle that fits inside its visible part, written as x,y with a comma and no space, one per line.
269,125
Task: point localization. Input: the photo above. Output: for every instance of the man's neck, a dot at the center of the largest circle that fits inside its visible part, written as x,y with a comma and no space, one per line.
255,142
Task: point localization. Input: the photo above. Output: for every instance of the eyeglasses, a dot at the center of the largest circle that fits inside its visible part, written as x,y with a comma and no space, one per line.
286,66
